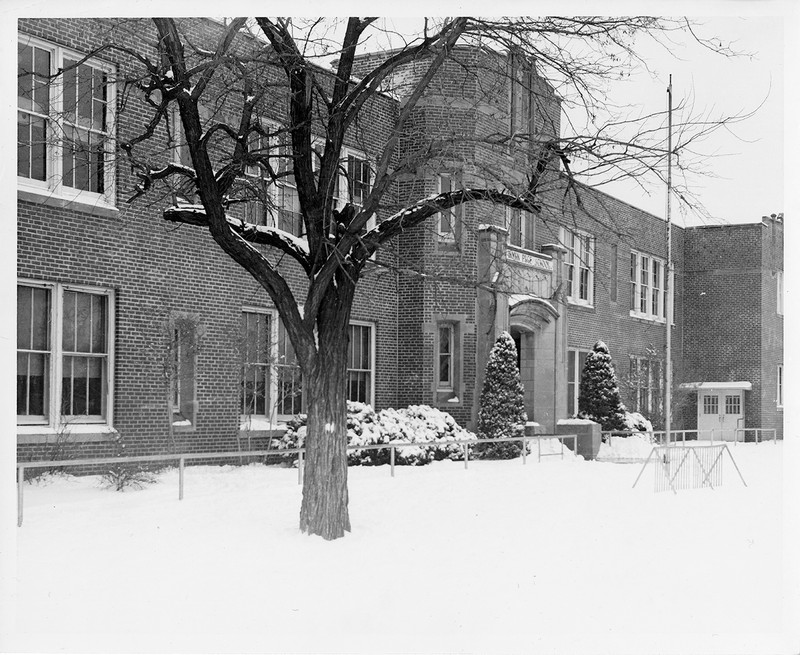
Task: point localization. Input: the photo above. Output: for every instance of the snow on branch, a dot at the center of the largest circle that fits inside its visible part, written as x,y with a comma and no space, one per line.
292,245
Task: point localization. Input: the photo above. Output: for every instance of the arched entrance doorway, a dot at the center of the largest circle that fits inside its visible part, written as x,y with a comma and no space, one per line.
532,325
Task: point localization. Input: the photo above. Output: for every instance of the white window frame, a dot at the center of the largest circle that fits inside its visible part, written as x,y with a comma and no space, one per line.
269,418
372,358
450,385
779,284
577,371
55,423
584,261
638,286
53,185
346,153
272,419
526,225
779,398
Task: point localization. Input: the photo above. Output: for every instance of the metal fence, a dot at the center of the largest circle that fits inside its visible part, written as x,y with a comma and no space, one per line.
756,435
182,458
679,466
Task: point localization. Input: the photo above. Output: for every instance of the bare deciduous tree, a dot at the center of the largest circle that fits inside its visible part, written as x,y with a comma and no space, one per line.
219,94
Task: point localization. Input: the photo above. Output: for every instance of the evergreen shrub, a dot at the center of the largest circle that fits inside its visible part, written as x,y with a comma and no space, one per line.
502,403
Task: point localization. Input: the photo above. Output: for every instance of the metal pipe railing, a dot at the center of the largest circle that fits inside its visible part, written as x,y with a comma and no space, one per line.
183,457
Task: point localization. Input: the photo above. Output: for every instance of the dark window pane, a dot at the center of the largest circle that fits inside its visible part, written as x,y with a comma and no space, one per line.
99,324
22,384
444,369
38,149
24,76
529,230
68,321
81,155
66,387
366,347
96,371
444,340
41,319
23,144
85,95
68,157
70,90
79,385
24,309
41,87
38,384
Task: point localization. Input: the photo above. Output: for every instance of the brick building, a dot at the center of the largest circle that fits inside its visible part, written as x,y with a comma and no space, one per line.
129,326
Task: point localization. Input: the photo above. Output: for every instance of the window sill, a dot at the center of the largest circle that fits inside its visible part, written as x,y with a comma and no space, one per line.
579,304
527,251
77,433
91,206
649,319
448,246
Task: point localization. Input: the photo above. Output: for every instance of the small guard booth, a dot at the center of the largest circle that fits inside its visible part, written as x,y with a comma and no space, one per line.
720,408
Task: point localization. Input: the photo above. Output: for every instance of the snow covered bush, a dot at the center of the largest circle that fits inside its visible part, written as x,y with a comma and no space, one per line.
635,422
125,475
502,404
599,398
414,424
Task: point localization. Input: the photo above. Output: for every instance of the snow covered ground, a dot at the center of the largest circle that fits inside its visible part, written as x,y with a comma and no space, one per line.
557,556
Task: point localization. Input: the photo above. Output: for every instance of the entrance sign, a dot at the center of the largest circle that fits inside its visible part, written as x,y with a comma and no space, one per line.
529,260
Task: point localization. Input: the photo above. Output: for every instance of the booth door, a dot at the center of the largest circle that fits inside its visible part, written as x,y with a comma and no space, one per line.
719,414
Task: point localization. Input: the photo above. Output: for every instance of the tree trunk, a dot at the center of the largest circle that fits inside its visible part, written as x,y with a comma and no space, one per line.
324,509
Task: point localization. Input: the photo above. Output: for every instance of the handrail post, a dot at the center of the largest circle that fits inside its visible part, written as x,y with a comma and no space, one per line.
300,467
391,459
20,483
181,466
466,455
524,450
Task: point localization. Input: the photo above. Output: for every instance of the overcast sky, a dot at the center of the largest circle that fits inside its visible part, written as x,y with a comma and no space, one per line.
747,162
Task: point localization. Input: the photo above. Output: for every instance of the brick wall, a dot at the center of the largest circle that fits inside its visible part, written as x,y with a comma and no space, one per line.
733,330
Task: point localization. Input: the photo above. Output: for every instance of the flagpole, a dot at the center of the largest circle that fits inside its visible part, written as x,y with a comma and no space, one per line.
668,292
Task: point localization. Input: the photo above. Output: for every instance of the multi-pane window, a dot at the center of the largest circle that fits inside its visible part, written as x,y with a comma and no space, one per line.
63,354
85,354
448,223
520,228
257,205
288,376
184,346
576,360
648,288
33,104
646,379
256,346
711,404
64,122
733,404
272,384
445,350
33,353
358,179
360,364
579,261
